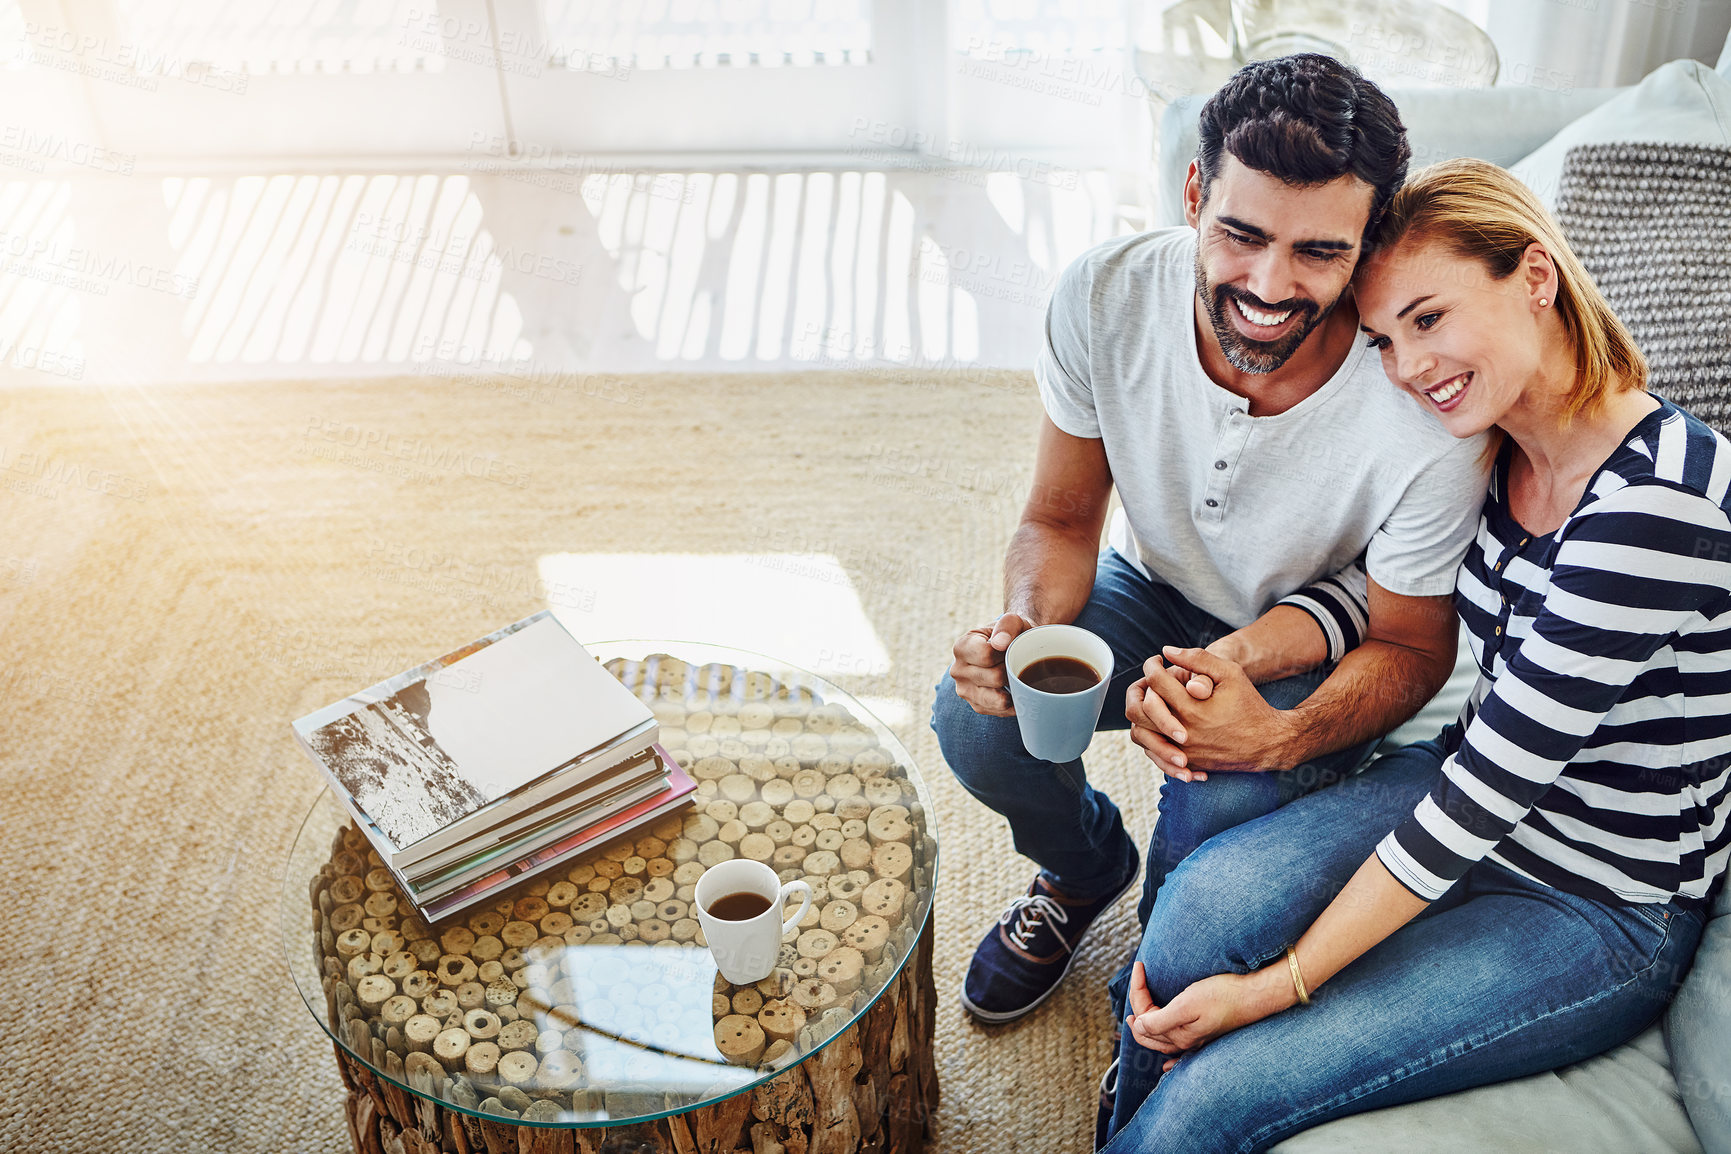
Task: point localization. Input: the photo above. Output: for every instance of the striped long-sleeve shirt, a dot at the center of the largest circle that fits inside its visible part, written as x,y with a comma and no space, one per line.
1594,754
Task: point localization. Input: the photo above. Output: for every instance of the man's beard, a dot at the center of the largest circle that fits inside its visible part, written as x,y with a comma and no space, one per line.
1243,353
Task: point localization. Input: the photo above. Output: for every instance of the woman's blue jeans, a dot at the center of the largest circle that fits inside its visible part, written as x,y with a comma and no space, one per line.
1500,978
1069,828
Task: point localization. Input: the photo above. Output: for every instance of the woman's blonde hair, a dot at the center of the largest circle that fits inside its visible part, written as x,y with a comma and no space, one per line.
1481,212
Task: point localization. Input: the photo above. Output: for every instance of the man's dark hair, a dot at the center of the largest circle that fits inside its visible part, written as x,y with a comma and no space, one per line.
1306,120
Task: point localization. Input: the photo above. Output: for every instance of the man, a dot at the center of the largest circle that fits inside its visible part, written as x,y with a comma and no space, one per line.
1290,520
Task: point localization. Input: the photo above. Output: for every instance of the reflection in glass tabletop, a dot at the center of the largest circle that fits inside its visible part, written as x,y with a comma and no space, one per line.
584,996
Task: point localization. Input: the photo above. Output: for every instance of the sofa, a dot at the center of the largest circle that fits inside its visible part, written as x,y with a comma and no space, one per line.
1667,1091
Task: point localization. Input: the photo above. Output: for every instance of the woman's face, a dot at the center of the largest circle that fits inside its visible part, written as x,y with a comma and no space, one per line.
1466,345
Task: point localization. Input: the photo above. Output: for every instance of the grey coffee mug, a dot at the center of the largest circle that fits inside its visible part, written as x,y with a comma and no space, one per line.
1057,726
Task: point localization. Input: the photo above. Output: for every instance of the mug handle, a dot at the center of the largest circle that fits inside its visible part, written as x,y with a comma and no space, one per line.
804,892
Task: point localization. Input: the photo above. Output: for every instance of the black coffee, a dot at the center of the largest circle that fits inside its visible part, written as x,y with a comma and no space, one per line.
1060,675
738,907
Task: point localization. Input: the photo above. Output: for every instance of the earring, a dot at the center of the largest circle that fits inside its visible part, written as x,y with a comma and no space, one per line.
1543,303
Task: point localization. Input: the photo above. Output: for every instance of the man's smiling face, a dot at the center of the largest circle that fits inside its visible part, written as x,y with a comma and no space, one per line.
1272,260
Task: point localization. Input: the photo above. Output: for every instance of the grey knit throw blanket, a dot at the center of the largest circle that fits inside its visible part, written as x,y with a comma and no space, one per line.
1652,223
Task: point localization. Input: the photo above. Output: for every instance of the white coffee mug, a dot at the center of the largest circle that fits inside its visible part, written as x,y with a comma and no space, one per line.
745,951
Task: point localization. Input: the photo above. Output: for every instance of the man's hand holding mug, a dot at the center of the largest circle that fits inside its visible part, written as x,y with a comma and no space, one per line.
978,669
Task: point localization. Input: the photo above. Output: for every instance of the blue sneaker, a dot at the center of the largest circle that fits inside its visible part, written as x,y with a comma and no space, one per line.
1027,953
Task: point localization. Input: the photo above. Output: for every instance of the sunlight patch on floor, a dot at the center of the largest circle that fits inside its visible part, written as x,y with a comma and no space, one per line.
801,608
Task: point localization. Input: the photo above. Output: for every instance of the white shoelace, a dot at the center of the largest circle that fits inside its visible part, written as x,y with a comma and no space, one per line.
1028,911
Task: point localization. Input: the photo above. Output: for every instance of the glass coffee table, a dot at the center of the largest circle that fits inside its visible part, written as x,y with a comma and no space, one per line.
584,999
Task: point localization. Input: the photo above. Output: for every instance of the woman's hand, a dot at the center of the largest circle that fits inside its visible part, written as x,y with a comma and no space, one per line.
1204,1010
1153,725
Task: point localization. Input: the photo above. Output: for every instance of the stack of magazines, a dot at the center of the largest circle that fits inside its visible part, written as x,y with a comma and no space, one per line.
501,760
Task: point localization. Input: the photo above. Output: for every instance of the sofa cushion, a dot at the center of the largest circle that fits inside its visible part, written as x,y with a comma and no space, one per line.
1698,1030
1652,225
1683,102
1620,1101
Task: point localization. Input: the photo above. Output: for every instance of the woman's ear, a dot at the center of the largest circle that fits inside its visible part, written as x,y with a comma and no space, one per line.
1539,275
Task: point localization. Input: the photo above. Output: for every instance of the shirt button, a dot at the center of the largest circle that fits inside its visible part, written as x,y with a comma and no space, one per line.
1212,503
1498,631
1220,464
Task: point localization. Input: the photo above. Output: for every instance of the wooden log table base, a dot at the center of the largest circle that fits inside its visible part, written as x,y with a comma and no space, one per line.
872,1088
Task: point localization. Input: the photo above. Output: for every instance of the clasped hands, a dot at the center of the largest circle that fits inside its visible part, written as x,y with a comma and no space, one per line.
1193,712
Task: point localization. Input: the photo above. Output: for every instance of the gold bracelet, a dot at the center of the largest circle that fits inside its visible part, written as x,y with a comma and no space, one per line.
1297,978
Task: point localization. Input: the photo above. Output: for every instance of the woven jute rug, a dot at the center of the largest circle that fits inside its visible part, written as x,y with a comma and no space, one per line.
184,570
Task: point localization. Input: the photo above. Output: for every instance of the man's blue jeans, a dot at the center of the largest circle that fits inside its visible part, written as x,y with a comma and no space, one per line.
1500,978
1069,828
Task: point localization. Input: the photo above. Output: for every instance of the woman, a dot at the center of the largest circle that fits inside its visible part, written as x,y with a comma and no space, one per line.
1528,888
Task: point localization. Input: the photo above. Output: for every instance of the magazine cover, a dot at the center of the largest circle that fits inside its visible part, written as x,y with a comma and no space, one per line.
430,747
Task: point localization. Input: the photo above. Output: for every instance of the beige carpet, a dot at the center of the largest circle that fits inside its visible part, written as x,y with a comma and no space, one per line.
181,573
